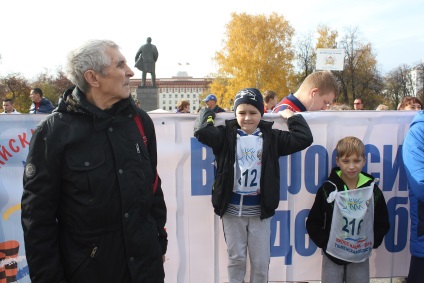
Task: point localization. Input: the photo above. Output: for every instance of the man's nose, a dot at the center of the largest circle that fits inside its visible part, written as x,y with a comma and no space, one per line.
130,72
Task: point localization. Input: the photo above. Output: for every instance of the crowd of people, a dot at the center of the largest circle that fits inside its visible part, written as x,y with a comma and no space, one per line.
93,208
39,105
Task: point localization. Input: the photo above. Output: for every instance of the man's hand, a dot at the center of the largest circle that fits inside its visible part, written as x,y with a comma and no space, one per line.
286,113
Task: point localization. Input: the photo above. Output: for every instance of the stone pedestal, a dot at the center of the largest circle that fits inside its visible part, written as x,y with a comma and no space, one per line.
148,97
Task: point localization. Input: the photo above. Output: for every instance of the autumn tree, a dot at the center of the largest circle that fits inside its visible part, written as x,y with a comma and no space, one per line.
219,88
305,56
327,37
360,76
397,85
257,52
17,88
52,86
306,47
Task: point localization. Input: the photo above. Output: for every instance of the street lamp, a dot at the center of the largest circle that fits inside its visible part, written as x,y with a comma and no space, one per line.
231,104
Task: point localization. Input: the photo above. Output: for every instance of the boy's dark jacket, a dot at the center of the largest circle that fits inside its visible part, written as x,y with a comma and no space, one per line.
320,216
276,143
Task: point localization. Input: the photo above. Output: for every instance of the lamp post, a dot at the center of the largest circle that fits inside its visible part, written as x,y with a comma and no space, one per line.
231,104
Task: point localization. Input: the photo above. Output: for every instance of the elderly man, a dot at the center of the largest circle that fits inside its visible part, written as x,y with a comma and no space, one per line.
93,209
40,104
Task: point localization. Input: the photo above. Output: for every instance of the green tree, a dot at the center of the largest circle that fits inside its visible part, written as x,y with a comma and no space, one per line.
258,53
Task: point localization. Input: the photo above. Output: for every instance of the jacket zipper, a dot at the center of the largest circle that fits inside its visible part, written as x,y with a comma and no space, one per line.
93,252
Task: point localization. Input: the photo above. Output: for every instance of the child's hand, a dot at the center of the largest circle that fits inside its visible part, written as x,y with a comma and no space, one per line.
286,113
205,117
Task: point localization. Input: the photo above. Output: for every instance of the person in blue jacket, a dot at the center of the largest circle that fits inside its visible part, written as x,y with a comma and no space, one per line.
40,104
413,158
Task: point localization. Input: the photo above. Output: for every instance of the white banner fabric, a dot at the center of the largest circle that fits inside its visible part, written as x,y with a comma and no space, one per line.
196,248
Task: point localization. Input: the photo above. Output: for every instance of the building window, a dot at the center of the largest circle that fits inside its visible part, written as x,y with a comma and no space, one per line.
176,95
164,96
170,102
170,108
182,95
170,95
188,95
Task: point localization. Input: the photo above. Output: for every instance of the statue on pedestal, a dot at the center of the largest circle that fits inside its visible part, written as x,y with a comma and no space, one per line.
145,60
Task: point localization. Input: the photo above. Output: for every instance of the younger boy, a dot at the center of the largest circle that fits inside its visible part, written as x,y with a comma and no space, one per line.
246,189
349,217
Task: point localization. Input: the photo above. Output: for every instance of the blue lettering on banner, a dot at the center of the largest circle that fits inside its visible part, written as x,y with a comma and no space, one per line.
315,172
295,168
303,248
373,156
280,236
390,169
399,231
315,168
201,167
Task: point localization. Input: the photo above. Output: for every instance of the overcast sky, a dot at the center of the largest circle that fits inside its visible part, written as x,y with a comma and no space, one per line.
37,35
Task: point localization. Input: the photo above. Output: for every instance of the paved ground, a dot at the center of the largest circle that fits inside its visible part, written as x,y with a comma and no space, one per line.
393,280
381,280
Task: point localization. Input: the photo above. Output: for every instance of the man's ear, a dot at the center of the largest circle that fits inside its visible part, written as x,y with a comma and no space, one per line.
313,91
92,78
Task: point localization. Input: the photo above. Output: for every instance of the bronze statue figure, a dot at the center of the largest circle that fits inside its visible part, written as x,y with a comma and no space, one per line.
145,60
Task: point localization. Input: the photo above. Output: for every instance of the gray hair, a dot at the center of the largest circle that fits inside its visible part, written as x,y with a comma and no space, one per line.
90,56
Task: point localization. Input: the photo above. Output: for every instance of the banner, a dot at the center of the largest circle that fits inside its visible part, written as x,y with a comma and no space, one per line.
196,248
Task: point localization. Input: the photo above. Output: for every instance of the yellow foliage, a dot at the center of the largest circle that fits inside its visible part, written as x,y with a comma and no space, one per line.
327,38
257,53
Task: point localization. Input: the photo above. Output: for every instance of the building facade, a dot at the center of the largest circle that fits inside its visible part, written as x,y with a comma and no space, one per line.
417,78
172,90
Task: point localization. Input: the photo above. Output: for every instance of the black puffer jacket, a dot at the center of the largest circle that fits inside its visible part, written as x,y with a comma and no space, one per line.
89,212
276,143
320,216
